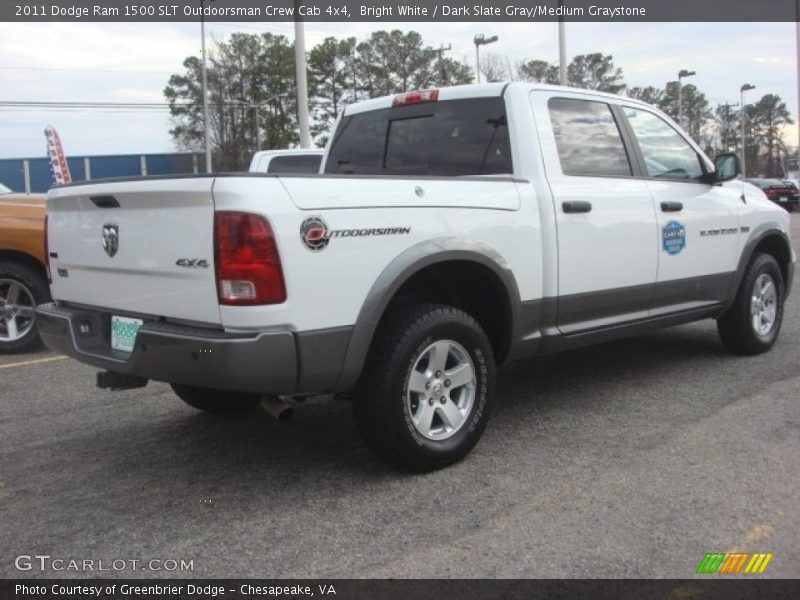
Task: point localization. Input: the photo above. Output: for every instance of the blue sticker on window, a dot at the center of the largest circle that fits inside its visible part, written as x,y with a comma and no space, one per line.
673,237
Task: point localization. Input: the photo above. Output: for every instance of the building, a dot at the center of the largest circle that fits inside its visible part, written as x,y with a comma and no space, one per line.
32,175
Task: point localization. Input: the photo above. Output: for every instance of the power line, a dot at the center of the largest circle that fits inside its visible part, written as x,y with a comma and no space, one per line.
26,104
71,69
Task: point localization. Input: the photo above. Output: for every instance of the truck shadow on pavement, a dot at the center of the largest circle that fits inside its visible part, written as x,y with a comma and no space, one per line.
177,446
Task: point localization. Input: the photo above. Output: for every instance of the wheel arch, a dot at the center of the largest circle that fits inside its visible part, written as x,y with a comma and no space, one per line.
421,262
768,238
23,258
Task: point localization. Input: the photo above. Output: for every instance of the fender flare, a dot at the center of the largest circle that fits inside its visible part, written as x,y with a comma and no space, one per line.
400,270
757,235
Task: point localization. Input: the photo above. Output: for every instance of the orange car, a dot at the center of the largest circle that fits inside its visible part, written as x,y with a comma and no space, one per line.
23,275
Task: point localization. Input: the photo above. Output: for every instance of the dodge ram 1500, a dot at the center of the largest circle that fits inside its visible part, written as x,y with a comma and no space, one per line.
449,231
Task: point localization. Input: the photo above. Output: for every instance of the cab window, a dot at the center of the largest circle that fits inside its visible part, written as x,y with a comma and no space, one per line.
588,139
667,155
450,138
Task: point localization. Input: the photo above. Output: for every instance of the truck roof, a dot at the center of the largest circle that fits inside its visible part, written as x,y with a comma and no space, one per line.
482,90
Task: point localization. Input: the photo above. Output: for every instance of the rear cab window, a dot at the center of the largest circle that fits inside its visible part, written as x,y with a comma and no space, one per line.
445,138
588,138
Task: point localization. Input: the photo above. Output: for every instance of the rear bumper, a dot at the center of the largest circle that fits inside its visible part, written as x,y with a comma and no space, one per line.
264,362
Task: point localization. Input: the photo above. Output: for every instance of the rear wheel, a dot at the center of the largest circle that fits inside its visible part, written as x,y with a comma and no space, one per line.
21,289
751,325
423,399
215,401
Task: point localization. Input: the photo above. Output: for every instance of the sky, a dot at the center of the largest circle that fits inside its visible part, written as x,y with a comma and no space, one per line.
116,62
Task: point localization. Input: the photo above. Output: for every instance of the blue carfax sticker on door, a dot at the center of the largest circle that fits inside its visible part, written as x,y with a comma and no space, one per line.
673,237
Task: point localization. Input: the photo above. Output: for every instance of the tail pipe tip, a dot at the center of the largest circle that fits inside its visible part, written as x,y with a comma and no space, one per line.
277,408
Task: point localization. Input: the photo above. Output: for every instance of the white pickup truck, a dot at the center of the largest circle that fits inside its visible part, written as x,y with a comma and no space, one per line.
448,232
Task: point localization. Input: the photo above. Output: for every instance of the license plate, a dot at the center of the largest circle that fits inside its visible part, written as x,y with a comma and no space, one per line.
123,332
783,199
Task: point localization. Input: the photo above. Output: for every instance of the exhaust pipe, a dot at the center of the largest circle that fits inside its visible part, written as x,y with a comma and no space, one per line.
276,407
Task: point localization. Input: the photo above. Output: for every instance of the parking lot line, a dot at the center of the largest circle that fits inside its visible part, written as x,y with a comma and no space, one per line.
32,362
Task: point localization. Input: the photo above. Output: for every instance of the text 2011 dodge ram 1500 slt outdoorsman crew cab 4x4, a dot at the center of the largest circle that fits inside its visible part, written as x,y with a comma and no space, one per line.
450,231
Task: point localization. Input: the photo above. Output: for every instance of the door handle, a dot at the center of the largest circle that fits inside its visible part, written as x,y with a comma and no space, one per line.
576,206
671,206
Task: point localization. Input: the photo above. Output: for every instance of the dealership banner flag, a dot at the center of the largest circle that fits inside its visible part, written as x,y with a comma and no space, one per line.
58,162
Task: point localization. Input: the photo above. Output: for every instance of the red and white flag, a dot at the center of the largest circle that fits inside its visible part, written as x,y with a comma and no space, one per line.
58,162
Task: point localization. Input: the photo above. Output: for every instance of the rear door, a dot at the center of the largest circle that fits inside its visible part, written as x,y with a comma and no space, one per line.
136,247
605,220
698,222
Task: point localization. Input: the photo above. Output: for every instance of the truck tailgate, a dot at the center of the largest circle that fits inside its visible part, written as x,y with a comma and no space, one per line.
142,247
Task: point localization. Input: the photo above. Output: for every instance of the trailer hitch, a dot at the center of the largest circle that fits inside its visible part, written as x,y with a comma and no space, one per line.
109,380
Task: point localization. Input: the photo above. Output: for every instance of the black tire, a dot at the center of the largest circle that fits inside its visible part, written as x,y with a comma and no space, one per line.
215,401
736,327
33,286
383,406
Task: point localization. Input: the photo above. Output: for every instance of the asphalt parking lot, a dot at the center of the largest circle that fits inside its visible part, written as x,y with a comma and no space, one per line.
630,459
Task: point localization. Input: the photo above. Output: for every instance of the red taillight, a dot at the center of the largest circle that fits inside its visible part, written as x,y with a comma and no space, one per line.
248,266
47,250
416,97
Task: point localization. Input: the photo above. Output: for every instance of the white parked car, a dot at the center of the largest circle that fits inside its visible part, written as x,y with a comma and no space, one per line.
290,161
450,231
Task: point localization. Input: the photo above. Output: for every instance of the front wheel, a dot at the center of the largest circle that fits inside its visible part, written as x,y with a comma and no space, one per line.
215,401
752,323
423,399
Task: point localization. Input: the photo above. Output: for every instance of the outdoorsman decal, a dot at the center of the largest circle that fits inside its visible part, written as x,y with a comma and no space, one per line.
315,233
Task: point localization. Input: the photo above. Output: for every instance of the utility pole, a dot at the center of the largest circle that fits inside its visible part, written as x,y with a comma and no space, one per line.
442,74
742,116
681,74
562,46
206,136
481,40
257,119
302,78
724,124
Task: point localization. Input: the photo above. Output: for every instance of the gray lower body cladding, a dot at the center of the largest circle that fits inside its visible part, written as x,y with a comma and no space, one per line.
276,362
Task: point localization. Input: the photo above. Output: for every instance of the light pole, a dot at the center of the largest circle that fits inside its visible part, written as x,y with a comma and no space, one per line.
562,46
681,74
481,40
206,136
301,78
742,117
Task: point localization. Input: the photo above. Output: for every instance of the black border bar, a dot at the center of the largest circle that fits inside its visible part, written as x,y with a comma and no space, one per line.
710,587
377,11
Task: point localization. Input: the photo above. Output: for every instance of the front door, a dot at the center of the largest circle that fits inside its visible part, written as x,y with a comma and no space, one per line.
698,222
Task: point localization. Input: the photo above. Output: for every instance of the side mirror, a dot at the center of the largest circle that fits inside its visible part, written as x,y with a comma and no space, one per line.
727,167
